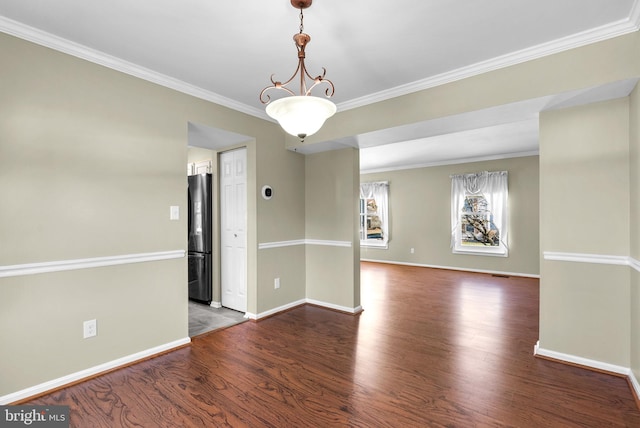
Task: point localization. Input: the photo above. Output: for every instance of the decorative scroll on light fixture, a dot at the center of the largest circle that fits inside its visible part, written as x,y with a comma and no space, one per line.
300,115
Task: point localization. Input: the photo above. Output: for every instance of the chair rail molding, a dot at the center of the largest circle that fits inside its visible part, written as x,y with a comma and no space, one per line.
325,242
64,265
592,258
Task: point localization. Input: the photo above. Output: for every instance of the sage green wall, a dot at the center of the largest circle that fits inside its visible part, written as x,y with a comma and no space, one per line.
288,264
420,210
332,189
584,67
634,143
90,161
195,154
41,318
584,208
285,212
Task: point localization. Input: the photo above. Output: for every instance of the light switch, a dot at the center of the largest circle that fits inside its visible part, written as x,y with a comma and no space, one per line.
174,212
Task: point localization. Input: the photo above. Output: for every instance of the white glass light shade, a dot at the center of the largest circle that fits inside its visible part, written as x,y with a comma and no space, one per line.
301,115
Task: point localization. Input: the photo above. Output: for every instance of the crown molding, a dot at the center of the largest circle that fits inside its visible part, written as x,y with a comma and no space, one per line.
77,50
634,15
615,29
605,32
452,162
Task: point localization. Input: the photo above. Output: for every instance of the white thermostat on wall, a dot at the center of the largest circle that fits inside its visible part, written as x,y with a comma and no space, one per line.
267,192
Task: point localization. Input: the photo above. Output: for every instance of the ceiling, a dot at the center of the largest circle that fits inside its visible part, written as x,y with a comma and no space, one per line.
225,52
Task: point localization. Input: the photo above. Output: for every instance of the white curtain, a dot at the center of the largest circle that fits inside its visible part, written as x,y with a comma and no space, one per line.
493,186
380,192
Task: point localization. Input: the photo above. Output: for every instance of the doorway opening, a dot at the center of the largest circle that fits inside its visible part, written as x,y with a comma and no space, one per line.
207,149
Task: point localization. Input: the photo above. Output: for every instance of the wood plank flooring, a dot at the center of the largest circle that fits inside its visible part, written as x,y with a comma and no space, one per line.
433,348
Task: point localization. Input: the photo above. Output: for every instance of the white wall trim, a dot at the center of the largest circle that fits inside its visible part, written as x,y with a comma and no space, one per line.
493,272
588,363
327,305
274,310
60,44
300,302
96,370
452,162
593,258
586,258
614,29
573,359
345,244
64,265
280,244
634,383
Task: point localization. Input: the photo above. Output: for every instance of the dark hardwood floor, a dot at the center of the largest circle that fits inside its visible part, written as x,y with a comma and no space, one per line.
433,348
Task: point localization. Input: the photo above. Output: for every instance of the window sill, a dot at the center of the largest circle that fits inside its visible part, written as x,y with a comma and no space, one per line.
380,245
480,251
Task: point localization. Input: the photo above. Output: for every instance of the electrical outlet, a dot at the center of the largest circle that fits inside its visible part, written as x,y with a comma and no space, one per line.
412,251
276,283
90,328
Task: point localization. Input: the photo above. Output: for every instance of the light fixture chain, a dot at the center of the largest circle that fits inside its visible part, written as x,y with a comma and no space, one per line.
300,114
301,22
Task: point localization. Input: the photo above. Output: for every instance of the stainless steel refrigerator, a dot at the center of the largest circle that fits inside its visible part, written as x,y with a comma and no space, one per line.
200,238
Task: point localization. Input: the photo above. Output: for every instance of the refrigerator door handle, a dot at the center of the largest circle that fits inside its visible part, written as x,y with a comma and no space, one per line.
189,213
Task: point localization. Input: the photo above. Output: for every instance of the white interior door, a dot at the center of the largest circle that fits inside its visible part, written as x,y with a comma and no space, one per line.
233,225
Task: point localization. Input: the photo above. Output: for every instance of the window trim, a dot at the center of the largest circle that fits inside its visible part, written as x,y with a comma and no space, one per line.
497,251
480,183
368,193
370,244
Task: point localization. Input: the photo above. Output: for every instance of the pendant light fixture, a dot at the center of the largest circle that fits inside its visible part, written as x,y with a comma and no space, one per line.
303,114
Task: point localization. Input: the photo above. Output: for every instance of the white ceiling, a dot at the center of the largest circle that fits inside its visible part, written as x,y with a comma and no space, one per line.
226,51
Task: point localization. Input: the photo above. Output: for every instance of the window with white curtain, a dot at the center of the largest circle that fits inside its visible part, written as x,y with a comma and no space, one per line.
374,214
479,214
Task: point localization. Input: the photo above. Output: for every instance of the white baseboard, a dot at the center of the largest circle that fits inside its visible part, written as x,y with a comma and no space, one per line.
634,383
493,272
216,305
283,308
325,242
346,309
92,371
274,310
574,359
594,364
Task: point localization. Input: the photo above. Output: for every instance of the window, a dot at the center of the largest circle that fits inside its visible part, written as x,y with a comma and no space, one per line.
479,213
374,214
